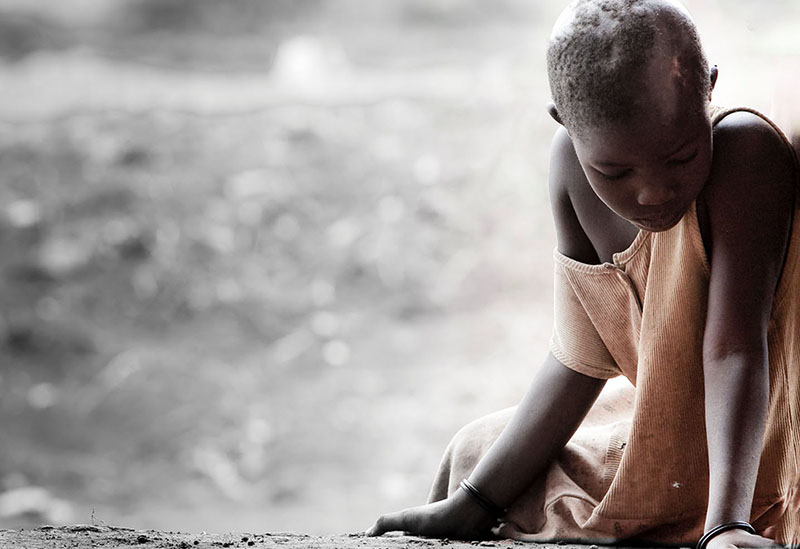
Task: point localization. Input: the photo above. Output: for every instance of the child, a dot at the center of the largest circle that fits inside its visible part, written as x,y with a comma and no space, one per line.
676,267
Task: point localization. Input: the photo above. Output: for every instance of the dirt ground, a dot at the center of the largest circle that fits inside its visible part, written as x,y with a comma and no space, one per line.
260,260
85,536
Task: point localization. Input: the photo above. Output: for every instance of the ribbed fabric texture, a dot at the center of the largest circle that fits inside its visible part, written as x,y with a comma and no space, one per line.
638,467
663,473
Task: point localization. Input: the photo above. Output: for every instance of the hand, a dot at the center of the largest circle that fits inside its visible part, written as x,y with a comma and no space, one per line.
457,517
734,539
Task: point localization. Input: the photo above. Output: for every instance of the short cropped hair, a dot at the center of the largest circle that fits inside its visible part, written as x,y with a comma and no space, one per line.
596,72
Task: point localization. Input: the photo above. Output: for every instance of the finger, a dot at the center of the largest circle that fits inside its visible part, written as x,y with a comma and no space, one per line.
762,541
737,539
389,522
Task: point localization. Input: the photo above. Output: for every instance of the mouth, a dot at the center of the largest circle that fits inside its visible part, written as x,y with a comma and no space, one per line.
659,222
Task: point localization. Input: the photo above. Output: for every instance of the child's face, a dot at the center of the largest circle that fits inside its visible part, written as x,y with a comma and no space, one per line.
650,170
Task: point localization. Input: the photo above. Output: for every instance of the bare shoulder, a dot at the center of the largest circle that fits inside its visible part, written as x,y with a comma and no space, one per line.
566,174
744,141
750,201
566,180
752,176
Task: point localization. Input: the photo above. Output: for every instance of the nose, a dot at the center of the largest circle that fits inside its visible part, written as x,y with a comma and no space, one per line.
655,193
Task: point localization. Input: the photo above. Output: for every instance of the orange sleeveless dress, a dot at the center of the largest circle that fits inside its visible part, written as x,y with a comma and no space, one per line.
638,467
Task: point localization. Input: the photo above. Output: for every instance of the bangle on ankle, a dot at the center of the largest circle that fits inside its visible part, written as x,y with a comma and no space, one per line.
488,505
738,525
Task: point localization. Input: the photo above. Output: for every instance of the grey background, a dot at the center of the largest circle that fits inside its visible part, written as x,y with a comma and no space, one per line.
260,259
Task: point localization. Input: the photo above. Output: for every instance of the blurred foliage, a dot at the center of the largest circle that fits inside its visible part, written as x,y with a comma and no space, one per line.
209,16
229,315
23,35
264,311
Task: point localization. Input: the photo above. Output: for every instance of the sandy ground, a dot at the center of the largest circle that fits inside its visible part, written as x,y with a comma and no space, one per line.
85,536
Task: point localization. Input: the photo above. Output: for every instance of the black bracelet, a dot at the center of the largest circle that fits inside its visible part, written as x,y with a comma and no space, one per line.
488,505
738,525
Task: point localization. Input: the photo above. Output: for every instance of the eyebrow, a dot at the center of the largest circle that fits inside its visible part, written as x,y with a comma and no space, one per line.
670,155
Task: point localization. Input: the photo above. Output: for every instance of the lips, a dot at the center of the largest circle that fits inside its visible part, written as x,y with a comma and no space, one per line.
660,221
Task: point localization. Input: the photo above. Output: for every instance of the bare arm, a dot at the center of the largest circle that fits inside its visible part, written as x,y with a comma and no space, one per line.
549,413
559,398
749,201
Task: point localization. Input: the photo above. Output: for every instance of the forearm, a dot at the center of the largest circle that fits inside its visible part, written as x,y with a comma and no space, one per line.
736,406
549,413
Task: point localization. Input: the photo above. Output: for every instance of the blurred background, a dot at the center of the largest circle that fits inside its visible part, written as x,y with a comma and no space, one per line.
260,259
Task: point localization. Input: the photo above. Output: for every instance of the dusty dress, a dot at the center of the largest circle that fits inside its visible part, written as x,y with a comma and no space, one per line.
637,467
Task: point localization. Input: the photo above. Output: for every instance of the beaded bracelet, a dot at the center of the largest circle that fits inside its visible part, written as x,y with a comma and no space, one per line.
739,524
488,505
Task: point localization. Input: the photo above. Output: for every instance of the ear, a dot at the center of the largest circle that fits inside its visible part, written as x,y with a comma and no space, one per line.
713,74
553,112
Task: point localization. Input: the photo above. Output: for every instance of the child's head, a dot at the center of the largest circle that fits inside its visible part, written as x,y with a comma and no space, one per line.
631,85
601,55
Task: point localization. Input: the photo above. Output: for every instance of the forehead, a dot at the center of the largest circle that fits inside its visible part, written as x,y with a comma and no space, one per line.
643,138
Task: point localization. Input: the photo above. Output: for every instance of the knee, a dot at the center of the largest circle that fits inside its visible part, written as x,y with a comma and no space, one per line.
473,440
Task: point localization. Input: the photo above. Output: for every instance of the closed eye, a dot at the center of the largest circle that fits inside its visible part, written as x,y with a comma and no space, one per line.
686,159
614,176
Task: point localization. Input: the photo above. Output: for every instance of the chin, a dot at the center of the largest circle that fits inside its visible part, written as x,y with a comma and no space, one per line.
658,224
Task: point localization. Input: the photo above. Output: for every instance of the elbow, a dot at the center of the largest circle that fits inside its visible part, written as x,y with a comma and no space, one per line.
724,352
725,340
726,355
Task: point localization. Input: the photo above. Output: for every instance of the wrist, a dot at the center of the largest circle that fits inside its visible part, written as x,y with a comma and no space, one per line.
730,497
725,514
713,532
481,499
471,511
